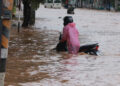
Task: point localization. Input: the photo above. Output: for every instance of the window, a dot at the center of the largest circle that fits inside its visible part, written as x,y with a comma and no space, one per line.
57,1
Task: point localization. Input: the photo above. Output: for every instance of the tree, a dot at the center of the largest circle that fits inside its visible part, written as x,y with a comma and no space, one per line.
29,11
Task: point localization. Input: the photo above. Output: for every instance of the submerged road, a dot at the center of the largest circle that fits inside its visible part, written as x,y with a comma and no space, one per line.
40,66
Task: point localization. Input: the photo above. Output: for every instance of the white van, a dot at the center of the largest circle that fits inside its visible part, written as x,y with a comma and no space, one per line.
53,4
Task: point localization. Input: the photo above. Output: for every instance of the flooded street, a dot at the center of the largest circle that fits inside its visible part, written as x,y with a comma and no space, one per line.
32,62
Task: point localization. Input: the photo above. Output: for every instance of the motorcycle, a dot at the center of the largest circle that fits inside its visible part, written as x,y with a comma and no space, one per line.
91,49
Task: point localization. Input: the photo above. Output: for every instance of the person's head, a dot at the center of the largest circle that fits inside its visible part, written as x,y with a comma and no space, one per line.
67,20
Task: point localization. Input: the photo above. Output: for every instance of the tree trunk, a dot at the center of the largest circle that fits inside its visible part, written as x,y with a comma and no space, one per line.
32,17
26,13
81,3
109,4
92,2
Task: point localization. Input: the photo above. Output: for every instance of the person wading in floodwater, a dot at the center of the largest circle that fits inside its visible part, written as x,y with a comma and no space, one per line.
70,35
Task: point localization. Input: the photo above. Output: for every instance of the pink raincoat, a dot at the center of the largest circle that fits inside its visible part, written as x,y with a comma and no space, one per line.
71,35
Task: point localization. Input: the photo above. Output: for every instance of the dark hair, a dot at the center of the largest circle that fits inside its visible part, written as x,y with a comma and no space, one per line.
67,20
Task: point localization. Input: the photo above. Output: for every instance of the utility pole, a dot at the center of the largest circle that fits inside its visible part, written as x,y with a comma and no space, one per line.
1,74
5,23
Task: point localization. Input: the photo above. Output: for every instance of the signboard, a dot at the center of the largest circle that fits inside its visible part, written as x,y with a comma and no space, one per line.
8,4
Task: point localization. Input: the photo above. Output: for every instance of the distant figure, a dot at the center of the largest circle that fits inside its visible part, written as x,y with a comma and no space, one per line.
70,9
70,35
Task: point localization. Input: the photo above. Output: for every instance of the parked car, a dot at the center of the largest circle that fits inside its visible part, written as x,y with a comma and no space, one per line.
53,4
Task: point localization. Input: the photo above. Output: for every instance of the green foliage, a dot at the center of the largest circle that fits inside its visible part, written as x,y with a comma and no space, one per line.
34,3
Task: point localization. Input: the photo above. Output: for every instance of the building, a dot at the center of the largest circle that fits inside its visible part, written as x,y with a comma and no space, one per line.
99,4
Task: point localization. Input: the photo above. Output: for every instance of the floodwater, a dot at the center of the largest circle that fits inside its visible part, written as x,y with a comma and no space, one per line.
32,62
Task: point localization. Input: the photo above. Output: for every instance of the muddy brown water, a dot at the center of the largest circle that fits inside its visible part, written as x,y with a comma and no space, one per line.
22,48
31,59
